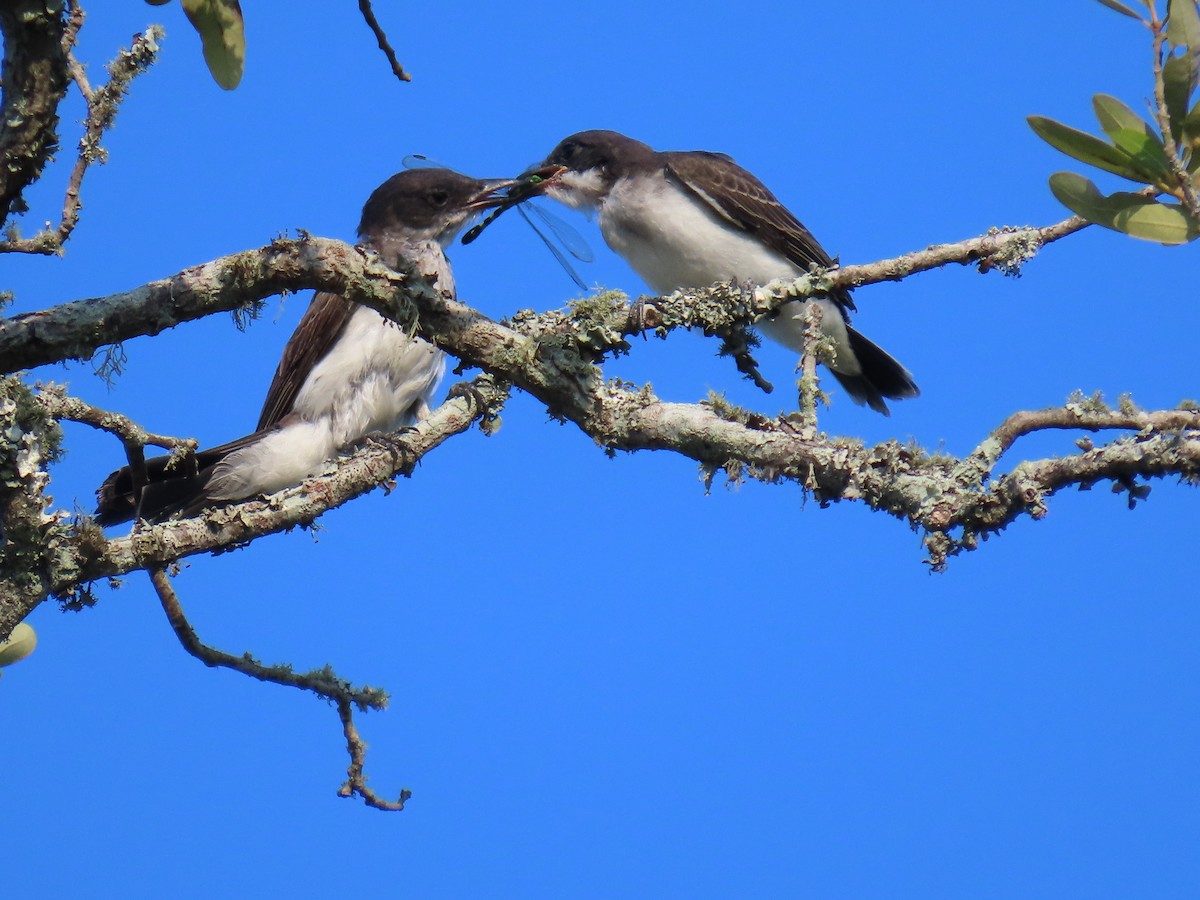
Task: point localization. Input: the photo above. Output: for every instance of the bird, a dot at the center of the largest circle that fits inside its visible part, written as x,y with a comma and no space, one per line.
346,371
691,219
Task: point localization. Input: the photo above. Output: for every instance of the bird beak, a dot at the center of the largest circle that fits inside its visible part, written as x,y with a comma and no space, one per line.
492,194
531,183
534,182
510,191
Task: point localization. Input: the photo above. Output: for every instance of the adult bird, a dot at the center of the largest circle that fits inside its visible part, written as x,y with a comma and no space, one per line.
690,219
346,372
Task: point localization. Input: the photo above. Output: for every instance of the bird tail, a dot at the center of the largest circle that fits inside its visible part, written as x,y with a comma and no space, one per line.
168,490
879,376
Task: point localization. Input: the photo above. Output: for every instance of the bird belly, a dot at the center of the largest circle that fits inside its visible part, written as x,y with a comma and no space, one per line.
375,378
674,242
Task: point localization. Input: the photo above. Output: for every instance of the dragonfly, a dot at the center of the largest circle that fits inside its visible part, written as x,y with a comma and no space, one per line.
554,231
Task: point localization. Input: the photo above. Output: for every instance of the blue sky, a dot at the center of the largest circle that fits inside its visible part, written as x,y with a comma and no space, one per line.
606,682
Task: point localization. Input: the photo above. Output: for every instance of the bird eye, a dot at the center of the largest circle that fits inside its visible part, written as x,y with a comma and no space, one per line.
568,149
438,198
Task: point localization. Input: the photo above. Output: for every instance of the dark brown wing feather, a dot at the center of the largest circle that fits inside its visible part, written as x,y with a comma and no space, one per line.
115,497
319,327
741,199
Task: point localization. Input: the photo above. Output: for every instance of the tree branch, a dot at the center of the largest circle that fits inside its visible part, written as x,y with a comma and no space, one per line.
1082,413
1182,180
76,330
815,350
323,682
35,80
368,15
235,283
46,555
60,405
553,357
102,105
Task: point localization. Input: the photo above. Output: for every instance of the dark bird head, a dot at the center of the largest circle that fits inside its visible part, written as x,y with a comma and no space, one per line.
427,205
591,162
580,172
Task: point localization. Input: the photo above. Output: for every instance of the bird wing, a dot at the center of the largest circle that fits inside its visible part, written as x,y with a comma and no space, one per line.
319,328
115,500
742,200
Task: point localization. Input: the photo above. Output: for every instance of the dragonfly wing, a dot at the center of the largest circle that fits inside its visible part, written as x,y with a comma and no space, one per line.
553,247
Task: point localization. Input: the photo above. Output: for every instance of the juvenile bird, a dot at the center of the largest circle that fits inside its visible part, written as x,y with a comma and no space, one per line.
346,372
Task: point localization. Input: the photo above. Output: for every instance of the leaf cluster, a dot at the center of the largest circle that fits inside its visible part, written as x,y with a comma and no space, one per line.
1162,153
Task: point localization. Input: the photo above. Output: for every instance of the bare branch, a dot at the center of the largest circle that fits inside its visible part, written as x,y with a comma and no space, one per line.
1080,413
102,104
1006,249
553,356
356,780
44,554
60,405
369,16
75,20
76,330
810,385
323,682
933,493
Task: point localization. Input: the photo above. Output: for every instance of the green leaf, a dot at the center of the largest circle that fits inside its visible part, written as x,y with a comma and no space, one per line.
219,24
1163,223
1130,133
1121,8
1115,115
1086,148
1183,23
1132,214
1180,76
1147,154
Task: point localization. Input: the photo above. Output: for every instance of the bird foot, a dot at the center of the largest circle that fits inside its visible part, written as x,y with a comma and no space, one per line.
403,458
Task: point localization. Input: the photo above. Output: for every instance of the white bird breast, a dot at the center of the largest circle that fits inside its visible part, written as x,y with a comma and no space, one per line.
673,240
375,378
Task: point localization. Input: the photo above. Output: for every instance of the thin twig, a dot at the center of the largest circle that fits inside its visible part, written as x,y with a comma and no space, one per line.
356,780
60,405
809,384
102,104
322,682
75,19
1001,248
373,23
1183,179
1079,414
